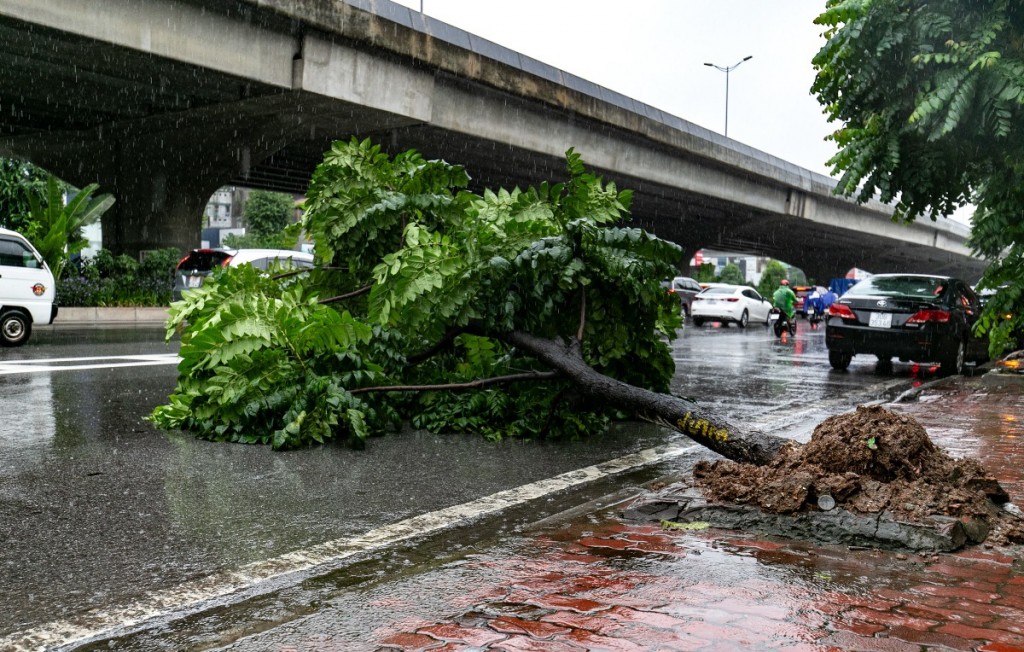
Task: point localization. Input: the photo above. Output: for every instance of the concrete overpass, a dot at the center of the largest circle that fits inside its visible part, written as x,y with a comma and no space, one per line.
163,101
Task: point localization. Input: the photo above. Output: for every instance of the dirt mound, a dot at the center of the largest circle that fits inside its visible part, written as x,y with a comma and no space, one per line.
868,461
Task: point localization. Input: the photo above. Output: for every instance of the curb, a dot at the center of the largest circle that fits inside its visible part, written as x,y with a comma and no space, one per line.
130,316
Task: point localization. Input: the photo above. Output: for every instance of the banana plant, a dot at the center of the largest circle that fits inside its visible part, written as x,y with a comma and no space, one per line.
56,228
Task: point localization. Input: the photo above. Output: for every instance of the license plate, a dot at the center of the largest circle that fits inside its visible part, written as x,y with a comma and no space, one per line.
195,281
774,316
880,320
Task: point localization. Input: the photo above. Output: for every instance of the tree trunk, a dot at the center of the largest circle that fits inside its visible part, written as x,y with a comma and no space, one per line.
746,446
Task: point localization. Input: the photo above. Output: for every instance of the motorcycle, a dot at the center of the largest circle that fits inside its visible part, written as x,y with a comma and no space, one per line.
781,322
815,316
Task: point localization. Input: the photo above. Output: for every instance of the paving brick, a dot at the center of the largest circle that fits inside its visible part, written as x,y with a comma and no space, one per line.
932,639
852,641
590,641
652,618
532,628
890,618
1011,601
451,632
950,615
981,634
527,644
596,624
411,642
1015,625
1000,647
957,592
762,610
977,571
578,605
597,542
857,626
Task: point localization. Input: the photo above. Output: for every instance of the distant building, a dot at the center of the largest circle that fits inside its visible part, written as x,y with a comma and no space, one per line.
225,208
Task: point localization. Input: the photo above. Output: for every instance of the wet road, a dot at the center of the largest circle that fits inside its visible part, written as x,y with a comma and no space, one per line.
107,522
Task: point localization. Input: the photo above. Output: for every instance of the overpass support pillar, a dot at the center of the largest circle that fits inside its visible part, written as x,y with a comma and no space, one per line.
159,203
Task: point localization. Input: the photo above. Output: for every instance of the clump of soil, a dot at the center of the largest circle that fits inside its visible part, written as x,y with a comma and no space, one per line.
868,461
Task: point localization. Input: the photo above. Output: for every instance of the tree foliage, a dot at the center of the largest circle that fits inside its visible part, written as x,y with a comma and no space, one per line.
268,213
56,228
19,180
731,273
931,99
430,305
774,271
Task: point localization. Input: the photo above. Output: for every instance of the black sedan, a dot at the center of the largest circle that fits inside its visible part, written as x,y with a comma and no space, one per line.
915,317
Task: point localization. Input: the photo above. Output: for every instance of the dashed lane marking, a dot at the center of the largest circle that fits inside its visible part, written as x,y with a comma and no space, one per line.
196,595
49,365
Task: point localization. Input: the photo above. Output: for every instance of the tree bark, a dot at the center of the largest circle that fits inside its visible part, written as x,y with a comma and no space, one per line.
735,443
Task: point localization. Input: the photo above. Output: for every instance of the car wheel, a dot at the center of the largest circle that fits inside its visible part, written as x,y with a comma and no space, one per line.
15,327
953,364
744,318
697,321
839,360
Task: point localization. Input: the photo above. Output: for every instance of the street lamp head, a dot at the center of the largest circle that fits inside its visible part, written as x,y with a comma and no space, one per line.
747,58
710,64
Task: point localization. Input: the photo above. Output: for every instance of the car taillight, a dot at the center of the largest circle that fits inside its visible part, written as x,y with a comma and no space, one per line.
698,298
672,291
840,310
925,316
226,261
732,299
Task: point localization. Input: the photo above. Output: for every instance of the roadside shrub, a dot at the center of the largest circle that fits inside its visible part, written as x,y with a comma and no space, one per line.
108,280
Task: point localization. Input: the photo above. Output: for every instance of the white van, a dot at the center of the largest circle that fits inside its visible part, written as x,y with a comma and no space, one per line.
27,289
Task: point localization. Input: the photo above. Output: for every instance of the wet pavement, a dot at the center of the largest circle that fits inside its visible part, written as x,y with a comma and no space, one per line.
593,581
104,509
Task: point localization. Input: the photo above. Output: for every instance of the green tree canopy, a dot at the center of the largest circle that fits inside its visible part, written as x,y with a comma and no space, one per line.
774,271
529,313
930,99
268,213
731,274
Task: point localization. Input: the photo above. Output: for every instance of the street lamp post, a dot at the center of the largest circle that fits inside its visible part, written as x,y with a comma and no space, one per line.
727,70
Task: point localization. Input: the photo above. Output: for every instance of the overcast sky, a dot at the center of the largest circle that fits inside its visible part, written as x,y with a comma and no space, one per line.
654,51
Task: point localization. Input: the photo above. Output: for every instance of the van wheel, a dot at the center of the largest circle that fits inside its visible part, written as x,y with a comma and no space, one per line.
15,327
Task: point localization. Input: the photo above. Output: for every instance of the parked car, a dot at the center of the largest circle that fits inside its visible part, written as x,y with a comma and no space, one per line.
916,317
200,263
730,303
27,289
685,288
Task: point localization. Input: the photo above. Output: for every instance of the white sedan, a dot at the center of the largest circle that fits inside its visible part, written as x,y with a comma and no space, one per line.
730,303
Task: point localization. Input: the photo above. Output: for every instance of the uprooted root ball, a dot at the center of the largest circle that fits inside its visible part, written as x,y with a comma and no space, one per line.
869,461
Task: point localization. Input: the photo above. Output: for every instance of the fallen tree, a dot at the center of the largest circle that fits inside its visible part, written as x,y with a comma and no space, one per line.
530,313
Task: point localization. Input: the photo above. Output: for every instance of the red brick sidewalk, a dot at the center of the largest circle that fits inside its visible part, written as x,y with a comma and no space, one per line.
600,583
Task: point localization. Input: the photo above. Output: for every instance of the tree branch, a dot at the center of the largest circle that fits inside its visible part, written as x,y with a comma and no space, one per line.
348,295
473,384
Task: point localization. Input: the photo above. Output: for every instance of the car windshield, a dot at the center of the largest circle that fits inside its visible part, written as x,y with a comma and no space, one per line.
915,287
204,260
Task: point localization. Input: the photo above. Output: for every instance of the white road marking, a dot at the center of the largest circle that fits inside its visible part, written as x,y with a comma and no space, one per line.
195,595
47,365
